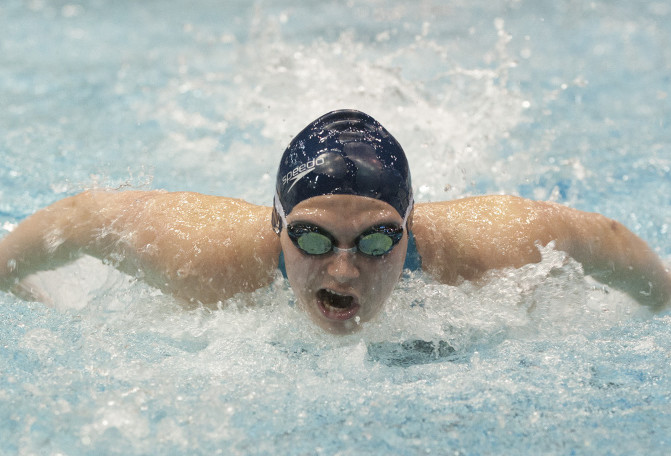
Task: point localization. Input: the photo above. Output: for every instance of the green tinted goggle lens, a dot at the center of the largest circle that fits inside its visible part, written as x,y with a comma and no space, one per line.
313,240
375,244
314,243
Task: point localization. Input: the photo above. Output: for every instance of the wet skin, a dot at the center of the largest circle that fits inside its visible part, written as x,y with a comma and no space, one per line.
338,290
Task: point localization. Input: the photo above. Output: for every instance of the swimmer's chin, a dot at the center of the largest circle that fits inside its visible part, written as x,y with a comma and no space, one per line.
340,328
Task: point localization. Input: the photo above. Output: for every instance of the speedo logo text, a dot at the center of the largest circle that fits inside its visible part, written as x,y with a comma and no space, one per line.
301,170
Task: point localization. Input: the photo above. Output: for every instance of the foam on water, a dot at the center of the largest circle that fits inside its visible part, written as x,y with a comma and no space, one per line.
129,371
529,98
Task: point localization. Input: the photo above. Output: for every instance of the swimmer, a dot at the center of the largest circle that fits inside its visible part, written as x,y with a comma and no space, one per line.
343,226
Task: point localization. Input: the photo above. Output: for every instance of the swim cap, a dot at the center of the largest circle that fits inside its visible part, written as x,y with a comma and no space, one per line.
344,152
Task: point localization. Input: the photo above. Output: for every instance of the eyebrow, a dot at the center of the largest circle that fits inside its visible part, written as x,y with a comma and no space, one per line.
368,227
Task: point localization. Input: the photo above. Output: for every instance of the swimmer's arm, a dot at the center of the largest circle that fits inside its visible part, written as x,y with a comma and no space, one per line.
197,247
466,238
46,240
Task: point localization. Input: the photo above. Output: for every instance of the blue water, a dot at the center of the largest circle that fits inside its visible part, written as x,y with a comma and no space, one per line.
563,100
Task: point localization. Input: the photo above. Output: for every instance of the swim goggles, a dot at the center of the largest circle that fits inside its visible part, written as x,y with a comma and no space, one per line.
374,242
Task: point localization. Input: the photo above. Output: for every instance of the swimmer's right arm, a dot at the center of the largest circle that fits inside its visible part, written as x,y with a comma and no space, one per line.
198,247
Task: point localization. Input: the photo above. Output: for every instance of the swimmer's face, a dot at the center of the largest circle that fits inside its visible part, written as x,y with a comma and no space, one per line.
338,290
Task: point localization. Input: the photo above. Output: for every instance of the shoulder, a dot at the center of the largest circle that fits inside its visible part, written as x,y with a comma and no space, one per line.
464,238
495,205
483,212
227,223
188,226
206,247
184,208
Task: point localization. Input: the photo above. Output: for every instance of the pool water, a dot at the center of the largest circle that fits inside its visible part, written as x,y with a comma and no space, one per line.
565,101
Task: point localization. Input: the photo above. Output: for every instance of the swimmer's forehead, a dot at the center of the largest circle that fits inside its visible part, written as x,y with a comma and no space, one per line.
359,210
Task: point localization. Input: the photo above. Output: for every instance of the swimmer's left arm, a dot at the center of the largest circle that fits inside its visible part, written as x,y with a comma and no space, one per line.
613,255
466,238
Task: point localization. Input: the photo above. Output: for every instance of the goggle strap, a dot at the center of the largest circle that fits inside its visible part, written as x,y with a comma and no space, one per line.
408,211
279,212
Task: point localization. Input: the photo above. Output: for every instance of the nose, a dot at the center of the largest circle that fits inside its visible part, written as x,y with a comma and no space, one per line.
342,267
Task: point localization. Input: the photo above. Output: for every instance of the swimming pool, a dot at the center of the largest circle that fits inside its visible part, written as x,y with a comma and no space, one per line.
561,100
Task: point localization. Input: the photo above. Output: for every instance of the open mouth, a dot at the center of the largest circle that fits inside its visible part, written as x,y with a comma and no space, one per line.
336,306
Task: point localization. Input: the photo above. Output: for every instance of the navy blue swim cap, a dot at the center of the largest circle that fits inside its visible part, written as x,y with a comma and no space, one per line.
344,152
